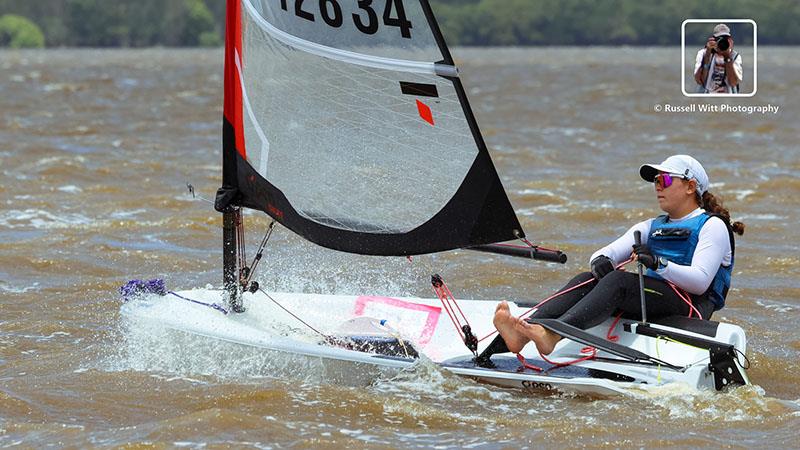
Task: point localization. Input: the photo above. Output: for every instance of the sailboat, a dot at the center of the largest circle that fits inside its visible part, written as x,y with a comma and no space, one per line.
346,122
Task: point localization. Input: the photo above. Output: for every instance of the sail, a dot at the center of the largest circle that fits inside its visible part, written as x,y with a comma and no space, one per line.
345,120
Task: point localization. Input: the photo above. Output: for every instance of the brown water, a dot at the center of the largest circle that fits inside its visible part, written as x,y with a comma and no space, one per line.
95,151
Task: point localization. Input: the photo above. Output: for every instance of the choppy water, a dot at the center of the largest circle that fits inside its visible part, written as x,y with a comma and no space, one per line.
95,151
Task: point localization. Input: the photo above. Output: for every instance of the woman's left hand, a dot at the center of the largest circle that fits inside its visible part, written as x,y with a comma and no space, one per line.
642,253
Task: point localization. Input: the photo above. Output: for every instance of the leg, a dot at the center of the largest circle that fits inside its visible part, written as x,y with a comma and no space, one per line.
620,291
660,300
516,333
544,339
506,325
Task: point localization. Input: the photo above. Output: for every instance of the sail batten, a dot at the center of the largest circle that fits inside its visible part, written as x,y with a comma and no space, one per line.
366,132
348,56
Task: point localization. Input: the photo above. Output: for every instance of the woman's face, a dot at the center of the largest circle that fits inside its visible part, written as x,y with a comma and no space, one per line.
675,195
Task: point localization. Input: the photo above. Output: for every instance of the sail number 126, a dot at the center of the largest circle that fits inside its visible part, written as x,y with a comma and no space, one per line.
365,20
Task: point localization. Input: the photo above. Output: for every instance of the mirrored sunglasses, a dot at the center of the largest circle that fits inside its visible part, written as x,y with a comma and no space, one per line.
665,180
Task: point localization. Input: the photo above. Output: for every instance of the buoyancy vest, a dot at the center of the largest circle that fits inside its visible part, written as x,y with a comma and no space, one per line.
676,241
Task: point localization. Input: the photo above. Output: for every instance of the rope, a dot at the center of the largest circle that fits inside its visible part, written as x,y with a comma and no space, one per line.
528,365
609,336
210,305
327,338
259,253
592,352
685,297
240,246
450,305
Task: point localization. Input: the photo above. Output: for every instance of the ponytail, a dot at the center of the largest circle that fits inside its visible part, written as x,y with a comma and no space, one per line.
713,205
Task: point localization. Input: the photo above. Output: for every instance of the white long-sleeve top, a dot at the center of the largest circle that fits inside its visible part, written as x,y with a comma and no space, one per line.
713,249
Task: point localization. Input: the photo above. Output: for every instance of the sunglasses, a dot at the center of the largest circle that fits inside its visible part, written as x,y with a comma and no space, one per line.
665,180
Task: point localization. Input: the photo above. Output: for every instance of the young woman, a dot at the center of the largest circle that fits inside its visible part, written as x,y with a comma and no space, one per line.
691,247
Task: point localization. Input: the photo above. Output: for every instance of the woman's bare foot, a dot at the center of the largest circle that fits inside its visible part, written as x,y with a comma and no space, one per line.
544,339
506,324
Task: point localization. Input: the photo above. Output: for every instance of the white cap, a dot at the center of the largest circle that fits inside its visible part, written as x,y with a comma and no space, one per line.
681,165
722,30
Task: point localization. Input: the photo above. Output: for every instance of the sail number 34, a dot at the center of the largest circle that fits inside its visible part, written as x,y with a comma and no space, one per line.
366,20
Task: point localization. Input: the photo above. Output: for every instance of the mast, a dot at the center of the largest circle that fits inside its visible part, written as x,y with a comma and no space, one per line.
232,142
230,282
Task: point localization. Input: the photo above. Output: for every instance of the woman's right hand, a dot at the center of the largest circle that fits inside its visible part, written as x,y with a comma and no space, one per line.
602,266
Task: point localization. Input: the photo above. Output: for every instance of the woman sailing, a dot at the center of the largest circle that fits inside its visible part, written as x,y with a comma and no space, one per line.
690,249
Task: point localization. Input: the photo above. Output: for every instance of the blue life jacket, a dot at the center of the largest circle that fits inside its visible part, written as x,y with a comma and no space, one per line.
677,241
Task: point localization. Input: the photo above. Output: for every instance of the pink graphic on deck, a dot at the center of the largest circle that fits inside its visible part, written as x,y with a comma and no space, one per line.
430,323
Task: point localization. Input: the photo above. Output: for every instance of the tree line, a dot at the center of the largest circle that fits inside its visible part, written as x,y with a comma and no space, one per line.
142,23
115,23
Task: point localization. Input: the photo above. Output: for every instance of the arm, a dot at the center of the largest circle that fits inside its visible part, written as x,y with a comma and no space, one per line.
734,71
700,69
705,58
712,247
620,250
733,67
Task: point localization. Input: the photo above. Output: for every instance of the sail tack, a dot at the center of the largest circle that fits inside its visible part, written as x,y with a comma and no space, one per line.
347,123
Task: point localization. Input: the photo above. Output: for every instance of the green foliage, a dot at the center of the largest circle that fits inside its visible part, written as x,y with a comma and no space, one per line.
199,25
123,23
209,39
139,23
609,22
19,32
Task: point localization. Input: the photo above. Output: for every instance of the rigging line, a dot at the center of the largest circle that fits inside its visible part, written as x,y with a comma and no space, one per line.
590,351
327,338
240,245
425,266
195,196
685,297
451,305
450,313
449,295
210,305
746,365
259,253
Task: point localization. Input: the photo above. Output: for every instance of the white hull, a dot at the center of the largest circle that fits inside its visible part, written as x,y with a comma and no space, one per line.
427,326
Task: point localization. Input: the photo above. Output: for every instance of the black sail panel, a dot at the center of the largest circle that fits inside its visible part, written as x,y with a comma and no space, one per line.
358,138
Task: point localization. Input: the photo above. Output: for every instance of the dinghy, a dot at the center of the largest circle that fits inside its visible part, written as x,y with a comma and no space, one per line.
347,123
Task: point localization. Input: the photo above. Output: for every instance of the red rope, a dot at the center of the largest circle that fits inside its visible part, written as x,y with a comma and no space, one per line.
528,365
450,295
443,297
592,352
609,336
685,297
530,245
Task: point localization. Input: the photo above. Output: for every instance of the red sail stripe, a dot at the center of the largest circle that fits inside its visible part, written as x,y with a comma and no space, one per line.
233,86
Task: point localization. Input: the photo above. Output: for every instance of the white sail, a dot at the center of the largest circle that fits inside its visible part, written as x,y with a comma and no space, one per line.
348,147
